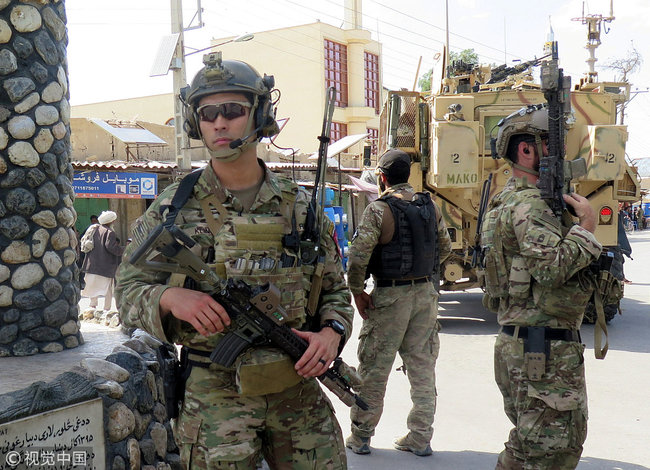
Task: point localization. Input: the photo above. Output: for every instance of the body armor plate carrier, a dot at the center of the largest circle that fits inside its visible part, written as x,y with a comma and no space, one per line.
413,251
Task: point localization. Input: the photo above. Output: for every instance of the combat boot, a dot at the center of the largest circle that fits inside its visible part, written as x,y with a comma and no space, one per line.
358,445
407,443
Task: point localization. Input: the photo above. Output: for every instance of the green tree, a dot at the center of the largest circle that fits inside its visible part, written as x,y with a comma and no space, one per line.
425,80
466,55
469,56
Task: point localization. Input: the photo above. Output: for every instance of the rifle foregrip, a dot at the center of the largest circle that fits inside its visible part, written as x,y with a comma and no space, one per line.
339,387
289,342
228,349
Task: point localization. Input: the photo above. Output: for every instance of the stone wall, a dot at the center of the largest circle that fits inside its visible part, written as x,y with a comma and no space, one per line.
39,287
137,430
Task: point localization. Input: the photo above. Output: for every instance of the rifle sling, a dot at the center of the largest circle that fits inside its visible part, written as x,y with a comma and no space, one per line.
600,327
316,286
182,194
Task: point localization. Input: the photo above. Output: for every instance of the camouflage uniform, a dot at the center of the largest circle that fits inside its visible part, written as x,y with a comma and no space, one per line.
545,286
404,320
220,426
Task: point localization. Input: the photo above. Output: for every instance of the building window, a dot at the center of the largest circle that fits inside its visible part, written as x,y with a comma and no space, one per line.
371,64
338,131
336,70
373,138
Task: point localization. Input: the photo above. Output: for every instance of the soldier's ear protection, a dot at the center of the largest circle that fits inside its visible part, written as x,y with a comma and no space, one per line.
190,126
265,112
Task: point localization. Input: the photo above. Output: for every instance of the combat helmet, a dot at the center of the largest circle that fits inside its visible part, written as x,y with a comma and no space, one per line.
234,76
531,119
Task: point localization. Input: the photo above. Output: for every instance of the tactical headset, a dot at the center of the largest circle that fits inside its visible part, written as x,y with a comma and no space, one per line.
220,76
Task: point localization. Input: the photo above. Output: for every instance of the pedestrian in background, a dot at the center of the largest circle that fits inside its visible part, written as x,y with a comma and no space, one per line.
81,256
401,240
640,218
100,264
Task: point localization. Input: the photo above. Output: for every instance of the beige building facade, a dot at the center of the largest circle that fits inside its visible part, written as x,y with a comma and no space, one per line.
305,60
157,109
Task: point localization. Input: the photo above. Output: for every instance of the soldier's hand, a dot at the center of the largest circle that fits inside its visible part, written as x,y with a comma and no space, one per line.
586,214
199,309
363,302
322,350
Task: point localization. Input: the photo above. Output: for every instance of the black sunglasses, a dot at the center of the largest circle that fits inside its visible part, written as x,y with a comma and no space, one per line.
229,110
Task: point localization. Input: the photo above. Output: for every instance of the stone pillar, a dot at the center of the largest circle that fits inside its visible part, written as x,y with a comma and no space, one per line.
39,278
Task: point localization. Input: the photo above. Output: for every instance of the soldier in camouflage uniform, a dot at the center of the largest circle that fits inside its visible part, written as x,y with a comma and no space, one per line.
238,214
537,283
402,240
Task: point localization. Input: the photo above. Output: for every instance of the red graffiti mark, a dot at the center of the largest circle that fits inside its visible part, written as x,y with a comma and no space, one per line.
522,98
581,111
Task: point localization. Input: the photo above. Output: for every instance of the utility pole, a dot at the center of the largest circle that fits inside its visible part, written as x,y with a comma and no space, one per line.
183,158
447,54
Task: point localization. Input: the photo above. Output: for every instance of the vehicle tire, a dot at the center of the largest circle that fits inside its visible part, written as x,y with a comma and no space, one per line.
590,313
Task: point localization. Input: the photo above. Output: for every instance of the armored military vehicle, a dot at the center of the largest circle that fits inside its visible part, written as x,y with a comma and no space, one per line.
448,133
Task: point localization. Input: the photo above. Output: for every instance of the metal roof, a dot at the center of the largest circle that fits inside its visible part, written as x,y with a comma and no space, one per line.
169,165
122,165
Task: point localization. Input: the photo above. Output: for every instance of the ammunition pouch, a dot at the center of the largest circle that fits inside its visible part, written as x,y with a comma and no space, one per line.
491,303
608,271
493,263
261,371
608,290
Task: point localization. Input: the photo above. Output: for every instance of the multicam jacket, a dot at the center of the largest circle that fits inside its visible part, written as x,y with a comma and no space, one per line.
247,246
369,232
534,266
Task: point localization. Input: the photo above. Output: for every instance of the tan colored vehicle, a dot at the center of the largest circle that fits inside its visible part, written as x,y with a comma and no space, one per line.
448,136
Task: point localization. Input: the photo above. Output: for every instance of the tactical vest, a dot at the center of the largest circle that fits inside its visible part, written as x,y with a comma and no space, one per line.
510,287
413,251
250,247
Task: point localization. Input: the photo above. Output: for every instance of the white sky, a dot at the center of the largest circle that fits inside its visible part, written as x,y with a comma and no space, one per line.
112,45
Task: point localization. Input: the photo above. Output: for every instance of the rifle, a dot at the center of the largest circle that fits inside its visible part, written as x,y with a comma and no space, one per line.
314,220
485,195
502,72
257,318
555,173
311,251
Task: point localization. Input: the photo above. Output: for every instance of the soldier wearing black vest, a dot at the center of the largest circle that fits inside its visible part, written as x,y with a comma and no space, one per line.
401,241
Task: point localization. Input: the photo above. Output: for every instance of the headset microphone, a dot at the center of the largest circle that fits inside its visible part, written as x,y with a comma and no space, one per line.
239,142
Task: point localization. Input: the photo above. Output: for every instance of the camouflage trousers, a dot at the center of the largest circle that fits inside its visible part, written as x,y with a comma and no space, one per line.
550,415
220,429
404,320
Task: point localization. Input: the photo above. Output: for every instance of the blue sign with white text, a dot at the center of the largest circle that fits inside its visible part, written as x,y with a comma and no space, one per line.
111,184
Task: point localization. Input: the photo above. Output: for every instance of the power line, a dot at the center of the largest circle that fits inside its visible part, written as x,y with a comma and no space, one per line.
295,30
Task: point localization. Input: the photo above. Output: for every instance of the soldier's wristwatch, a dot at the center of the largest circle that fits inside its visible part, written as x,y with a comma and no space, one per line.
337,326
